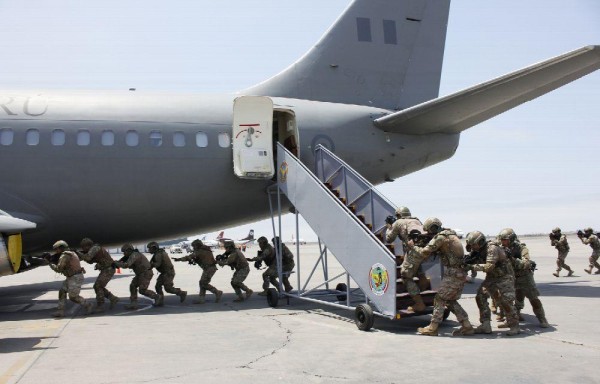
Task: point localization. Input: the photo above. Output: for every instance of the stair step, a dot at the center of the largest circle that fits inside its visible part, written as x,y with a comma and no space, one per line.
424,293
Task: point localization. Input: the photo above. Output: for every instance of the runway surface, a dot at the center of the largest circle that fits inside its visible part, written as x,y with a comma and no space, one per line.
302,342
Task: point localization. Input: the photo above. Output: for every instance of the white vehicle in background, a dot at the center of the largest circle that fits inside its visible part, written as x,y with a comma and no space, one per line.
175,249
300,241
459,232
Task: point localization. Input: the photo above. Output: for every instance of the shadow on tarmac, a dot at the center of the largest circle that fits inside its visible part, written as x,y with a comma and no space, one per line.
566,287
22,344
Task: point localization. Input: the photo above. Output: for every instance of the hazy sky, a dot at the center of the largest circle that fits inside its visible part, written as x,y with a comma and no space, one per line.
532,168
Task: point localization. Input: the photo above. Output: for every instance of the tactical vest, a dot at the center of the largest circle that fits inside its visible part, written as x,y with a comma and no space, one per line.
73,265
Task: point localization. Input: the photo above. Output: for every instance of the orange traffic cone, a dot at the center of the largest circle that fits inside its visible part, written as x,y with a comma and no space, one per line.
119,270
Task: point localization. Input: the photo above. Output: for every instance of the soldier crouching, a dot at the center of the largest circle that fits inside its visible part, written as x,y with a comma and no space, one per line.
133,259
94,253
162,262
237,260
203,257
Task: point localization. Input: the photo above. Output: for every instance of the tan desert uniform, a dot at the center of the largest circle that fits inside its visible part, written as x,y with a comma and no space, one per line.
499,282
143,275
237,259
524,280
448,246
69,266
163,264
411,265
205,260
562,246
593,242
103,261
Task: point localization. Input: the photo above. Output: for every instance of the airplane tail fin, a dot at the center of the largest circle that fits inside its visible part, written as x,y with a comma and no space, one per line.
220,236
382,53
250,235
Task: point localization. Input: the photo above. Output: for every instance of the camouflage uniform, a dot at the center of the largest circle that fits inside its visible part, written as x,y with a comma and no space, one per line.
267,256
524,281
499,282
447,244
143,275
104,262
593,242
237,259
203,256
563,250
287,266
163,264
411,265
69,266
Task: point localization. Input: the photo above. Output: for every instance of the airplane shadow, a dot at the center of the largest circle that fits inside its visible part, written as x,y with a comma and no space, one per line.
22,344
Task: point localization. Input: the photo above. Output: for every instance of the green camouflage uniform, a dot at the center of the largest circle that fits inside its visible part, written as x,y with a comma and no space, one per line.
69,266
563,250
237,259
287,266
524,281
205,260
448,246
499,282
143,275
593,242
103,261
163,264
270,275
411,265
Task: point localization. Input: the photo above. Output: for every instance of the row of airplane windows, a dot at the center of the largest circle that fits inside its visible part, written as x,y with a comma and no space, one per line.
155,138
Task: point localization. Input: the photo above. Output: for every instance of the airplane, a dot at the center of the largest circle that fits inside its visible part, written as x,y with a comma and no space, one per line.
91,163
246,241
300,240
213,243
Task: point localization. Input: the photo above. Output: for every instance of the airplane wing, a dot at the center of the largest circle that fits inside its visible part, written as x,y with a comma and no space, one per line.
10,224
464,109
11,251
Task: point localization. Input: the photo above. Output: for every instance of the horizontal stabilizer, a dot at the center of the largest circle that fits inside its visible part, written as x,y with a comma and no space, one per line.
462,110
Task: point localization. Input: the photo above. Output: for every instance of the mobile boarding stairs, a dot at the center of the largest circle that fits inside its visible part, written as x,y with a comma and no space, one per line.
348,215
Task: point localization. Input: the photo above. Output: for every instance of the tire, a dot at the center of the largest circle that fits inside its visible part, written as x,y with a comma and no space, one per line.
364,317
272,297
343,288
446,314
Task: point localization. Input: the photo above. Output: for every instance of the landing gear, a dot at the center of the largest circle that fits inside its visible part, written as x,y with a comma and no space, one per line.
364,317
272,297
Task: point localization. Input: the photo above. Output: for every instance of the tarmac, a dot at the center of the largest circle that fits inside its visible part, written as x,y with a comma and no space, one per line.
299,342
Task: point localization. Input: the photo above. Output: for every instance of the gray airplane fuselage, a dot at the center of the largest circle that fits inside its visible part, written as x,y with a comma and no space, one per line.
119,193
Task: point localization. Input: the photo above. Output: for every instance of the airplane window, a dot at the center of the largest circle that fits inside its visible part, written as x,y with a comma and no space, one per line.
108,138
179,139
32,137
58,137
201,139
224,140
83,138
6,136
156,138
132,139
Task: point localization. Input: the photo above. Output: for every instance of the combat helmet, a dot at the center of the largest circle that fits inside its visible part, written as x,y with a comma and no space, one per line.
475,237
229,244
86,242
556,230
403,212
588,231
432,225
197,243
507,234
262,239
60,244
152,245
127,247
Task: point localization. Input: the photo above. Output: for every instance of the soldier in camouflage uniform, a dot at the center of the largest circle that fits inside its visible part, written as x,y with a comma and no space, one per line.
287,263
559,241
447,245
94,253
592,240
524,281
203,257
162,262
267,255
133,259
237,260
69,265
499,282
411,265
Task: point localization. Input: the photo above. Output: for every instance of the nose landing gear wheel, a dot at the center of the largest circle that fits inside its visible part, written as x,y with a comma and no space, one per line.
364,317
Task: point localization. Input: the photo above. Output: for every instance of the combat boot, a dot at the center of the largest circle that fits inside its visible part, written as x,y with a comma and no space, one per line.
99,308
430,330
521,318
218,296
555,274
597,272
58,313
133,305
249,293
544,323
159,301
419,305
263,293
182,296
466,329
113,301
484,327
571,272
239,299
89,308
589,271
200,300
514,330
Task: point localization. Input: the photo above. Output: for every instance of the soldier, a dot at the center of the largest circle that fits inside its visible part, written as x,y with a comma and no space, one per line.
411,265
162,262
559,241
69,265
203,257
524,281
133,259
266,255
237,260
590,239
94,253
446,243
499,282
287,263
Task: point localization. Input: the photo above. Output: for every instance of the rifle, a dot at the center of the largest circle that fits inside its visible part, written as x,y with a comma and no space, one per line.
257,260
420,239
390,220
473,258
190,261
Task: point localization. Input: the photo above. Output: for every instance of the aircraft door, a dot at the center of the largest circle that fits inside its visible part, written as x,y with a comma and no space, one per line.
253,137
